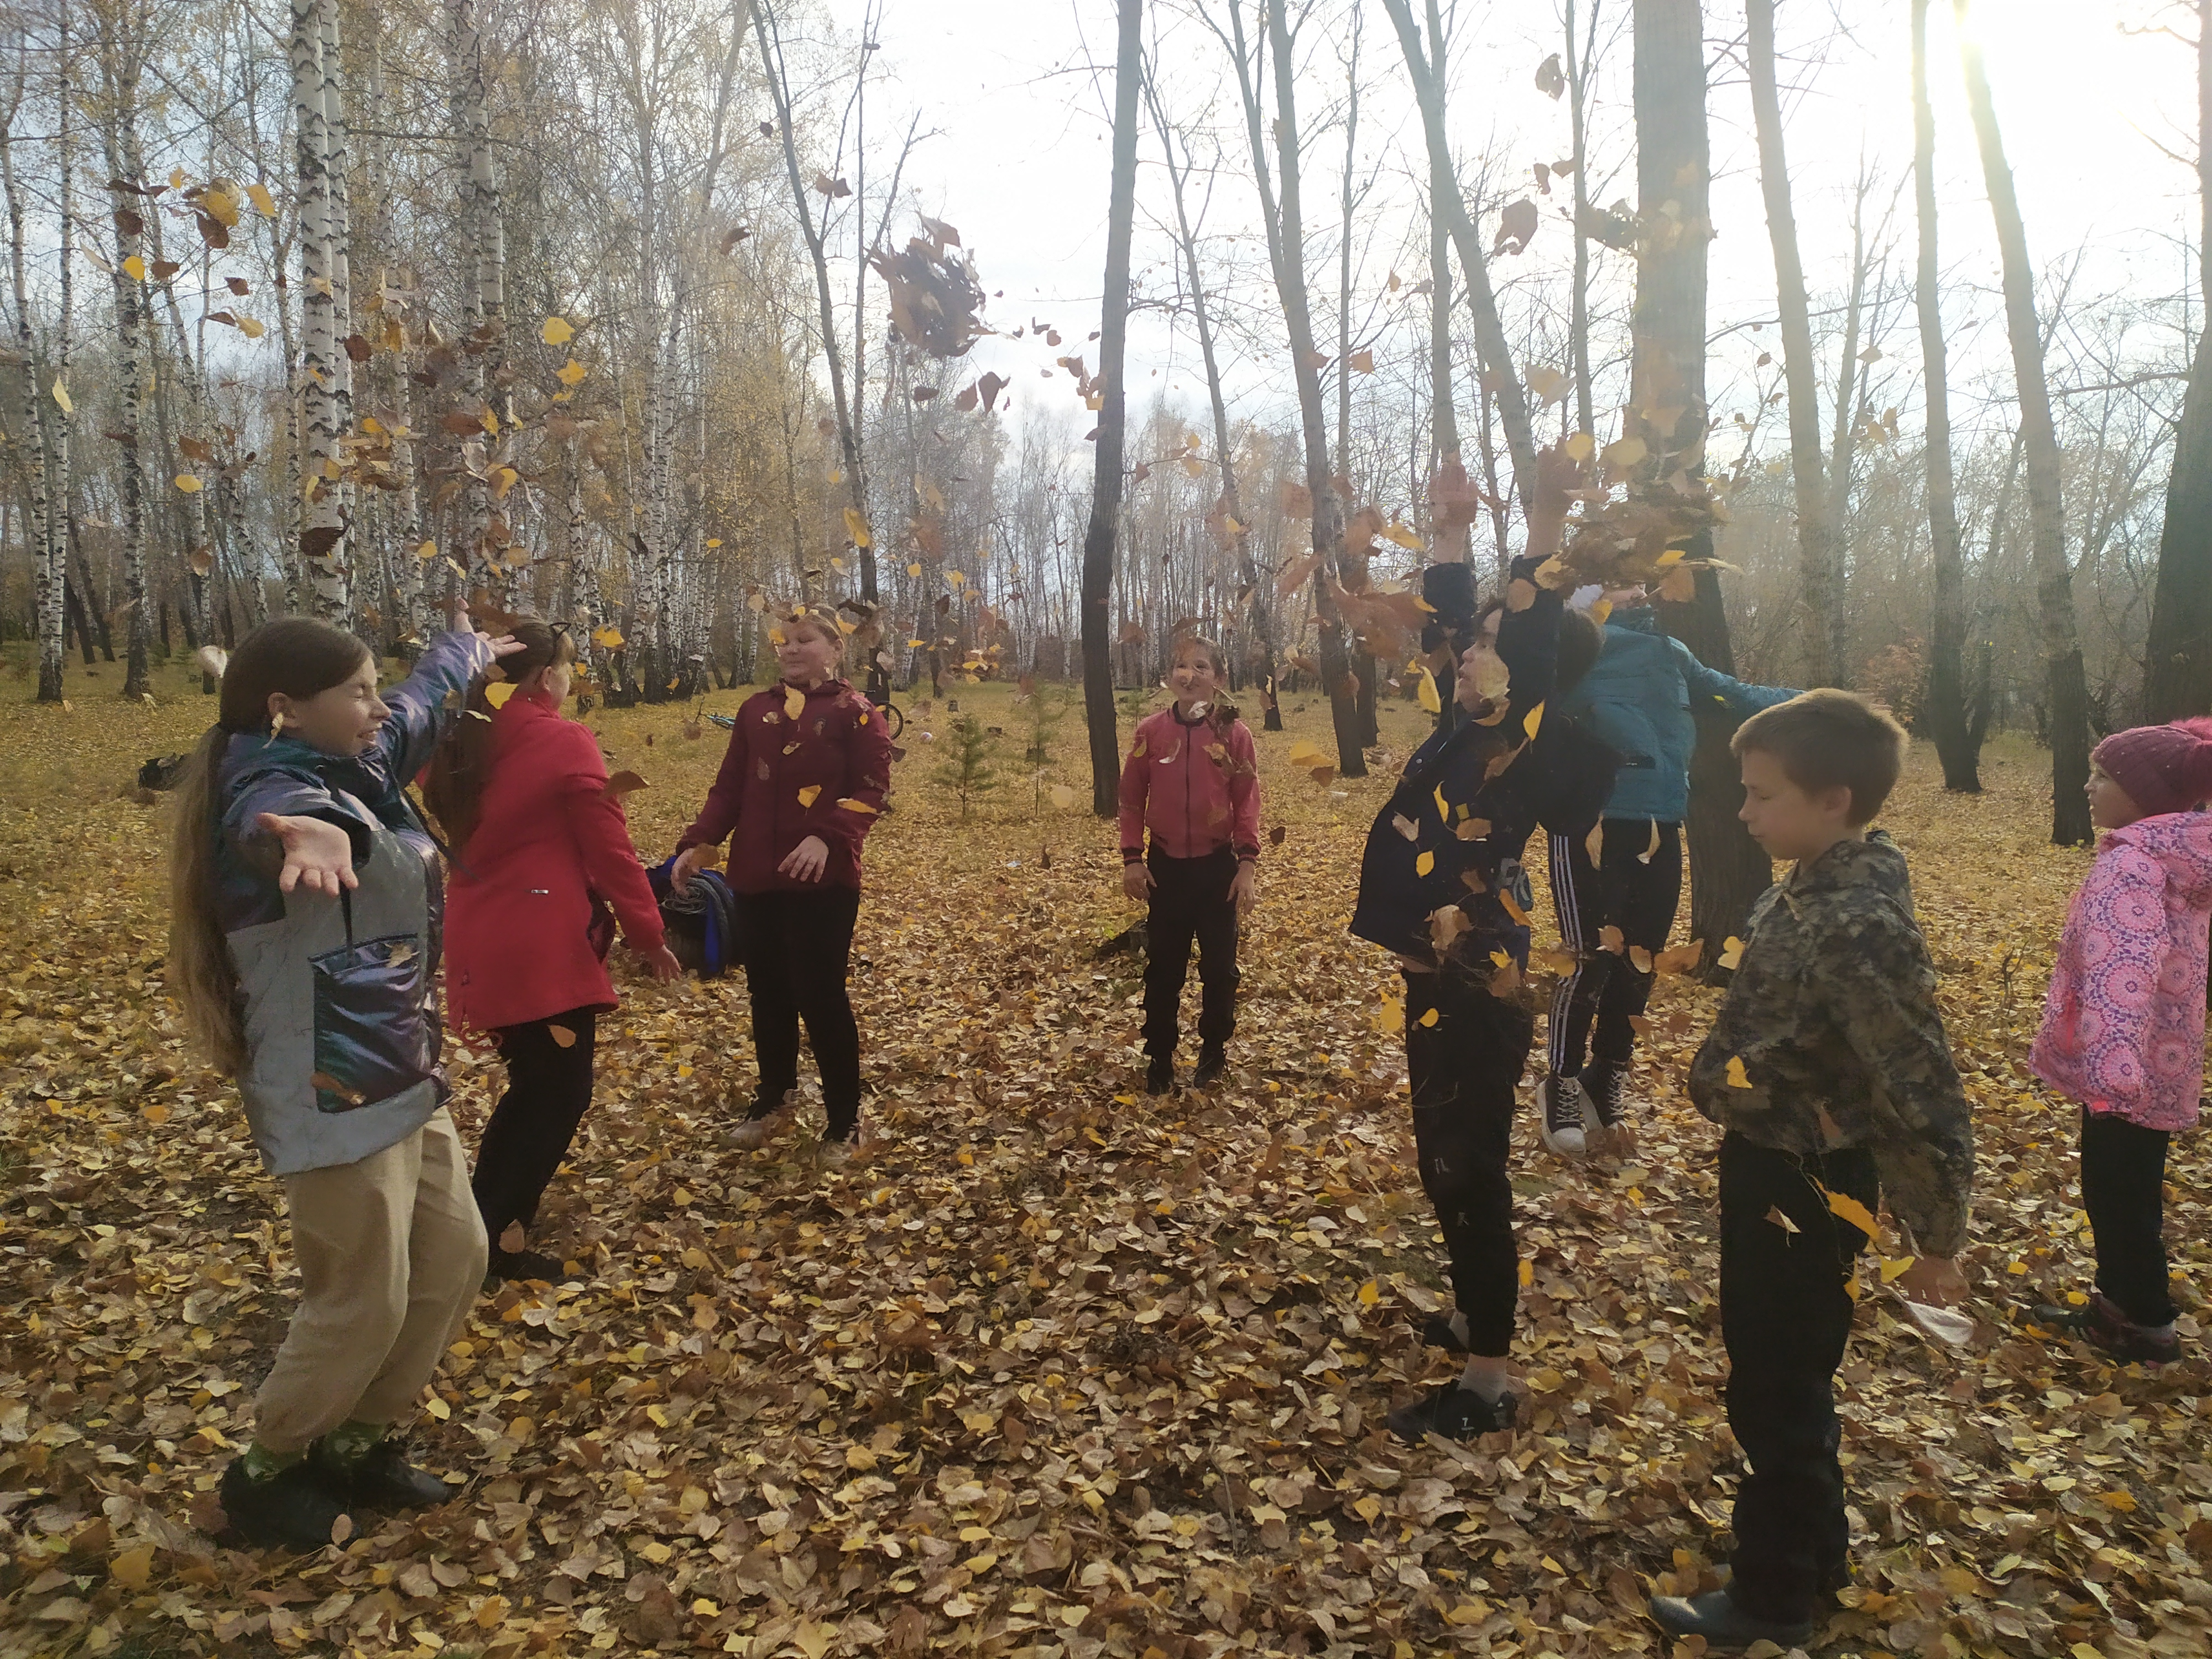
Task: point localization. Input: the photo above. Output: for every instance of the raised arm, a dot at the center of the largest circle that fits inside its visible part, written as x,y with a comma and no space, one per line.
429,700
1707,686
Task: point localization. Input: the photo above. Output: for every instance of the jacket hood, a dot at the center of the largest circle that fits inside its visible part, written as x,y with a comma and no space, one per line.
2182,844
1875,862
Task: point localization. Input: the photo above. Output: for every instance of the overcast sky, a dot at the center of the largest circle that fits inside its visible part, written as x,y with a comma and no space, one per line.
1017,157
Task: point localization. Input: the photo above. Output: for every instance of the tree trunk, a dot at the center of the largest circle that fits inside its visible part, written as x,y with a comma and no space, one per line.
47,576
2067,690
61,489
323,551
1816,540
119,70
1728,871
1098,540
483,269
1578,68
2178,655
1946,709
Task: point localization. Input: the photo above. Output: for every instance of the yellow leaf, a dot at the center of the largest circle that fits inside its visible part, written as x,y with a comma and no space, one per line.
263,203
1535,719
252,328
1579,447
1427,1019
1062,796
132,1568
1737,1077
1403,536
714,541
1731,952
1432,700
2123,1501
437,1408
1593,844
188,484
220,206
1671,557
1390,1017
794,702
1369,1294
608,638
498,692
1625,454
555,330
1843,1204
1527,1274
426,551
569,372
62,397
856,529
491,1613
1895,1268
851,805
135,269
1422,865
1444,808
806,796
914,569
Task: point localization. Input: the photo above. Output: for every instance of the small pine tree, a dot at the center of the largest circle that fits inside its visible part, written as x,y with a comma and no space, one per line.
967,770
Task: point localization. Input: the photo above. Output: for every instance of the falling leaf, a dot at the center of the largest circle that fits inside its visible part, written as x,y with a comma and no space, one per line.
1546,385
1774,1214
1737,1077
620,784
498,692
1431,699
1839,1204
1680,959
849,803
856,528
188,483
1534,720
794,702
135,269
1593,844
608,638
1428,1019
561,1035
1516,227
556,330
569,372
1425,863
1731,952
62,397
808,795
1551,79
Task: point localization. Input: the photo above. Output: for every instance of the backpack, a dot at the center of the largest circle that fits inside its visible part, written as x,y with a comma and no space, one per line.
700,921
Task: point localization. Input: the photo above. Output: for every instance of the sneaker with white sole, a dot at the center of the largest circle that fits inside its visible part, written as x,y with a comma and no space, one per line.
1562,1124
1604,1097
756,1130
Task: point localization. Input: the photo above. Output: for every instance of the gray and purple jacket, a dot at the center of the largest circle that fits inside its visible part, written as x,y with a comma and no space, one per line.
341,1027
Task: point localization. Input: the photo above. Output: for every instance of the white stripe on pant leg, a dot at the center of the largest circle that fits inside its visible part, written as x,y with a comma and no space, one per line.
1571,932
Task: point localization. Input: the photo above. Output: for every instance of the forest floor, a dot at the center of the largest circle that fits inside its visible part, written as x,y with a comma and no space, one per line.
1058,1369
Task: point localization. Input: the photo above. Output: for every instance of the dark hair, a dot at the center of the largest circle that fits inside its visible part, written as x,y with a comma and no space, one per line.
1828,739
1581,639
299,658
460,766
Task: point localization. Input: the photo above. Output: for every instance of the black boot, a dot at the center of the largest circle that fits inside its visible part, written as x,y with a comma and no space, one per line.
1725,1626
1455,1412
291,1510
522,1267
1159,1078
380,1479
1213,1061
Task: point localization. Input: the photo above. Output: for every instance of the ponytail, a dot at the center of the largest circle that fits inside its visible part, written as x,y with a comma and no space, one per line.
460,766
200,974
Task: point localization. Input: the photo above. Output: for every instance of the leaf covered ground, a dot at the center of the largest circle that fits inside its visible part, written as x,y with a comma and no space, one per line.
1060,1370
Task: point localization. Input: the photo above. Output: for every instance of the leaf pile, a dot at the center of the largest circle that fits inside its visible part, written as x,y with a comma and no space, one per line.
1058,1369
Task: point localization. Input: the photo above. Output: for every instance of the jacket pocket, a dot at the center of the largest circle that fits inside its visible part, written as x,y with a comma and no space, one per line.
372,1039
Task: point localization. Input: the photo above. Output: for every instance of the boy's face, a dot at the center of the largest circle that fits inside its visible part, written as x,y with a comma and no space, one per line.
1789,822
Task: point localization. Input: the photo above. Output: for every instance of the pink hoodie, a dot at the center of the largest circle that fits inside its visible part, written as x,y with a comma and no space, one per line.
2123,1025
1196,787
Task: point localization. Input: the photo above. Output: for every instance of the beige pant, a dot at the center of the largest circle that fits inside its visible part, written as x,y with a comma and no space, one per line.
392,1252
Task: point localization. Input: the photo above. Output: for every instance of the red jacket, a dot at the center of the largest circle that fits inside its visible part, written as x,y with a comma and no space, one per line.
1195,787
823,770
519,908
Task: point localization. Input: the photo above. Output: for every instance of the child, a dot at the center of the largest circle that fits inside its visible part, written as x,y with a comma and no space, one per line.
542,866
1827,1068
1440,883
303,948
808,767
2123,1025
1639,698
1191,780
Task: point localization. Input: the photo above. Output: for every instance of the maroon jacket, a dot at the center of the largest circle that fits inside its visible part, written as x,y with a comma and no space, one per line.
823,771
518,907
1194,786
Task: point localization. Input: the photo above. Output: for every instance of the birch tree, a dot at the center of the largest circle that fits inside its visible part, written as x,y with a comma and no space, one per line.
47,573
324,366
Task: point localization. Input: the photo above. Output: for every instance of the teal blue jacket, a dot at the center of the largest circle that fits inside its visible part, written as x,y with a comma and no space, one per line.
1637,699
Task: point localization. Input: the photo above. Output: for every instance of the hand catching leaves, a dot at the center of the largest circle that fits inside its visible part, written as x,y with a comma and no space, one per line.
317,854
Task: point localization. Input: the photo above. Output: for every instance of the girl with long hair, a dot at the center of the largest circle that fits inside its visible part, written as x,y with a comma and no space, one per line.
1192,783
303,948
808,767
539,847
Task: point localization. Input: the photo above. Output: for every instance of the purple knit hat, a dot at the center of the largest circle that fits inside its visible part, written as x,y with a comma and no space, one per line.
2164,768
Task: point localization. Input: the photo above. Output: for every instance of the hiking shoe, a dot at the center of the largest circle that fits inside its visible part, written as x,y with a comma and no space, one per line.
836,1154
1603,1104
2105,1327
1211,1063
1562,1126
1455,1412
1726,1627
380,1479
522,1267
769,1117
291,1509
1159,1078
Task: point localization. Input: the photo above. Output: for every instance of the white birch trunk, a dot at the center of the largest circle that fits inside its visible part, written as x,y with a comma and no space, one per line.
323,551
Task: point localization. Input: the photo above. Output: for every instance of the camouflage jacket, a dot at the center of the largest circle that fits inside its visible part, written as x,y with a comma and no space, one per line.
1830,1038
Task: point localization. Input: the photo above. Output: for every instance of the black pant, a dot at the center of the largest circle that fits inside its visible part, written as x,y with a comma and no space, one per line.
1464,1067
1594,1005
796,947
1190,899
1786,1316
548,1086
2123,1190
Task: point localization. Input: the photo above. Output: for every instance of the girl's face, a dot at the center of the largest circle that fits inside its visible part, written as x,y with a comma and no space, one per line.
806,657
2111,807
342,721
1194,679
554,679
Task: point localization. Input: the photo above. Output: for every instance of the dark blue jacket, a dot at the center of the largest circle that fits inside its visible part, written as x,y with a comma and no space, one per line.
342,1035
1637,699
1560,779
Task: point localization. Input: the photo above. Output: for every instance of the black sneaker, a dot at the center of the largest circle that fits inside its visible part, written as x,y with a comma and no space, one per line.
382,1479
1436,1332
1159,1078
1726,1627
2104,1327
1211,1063
522,1267
1603,1089
1562,1126
292,1510
1455,1412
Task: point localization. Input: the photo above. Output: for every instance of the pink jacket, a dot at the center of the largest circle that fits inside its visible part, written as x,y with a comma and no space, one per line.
2124,1024
1196,787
